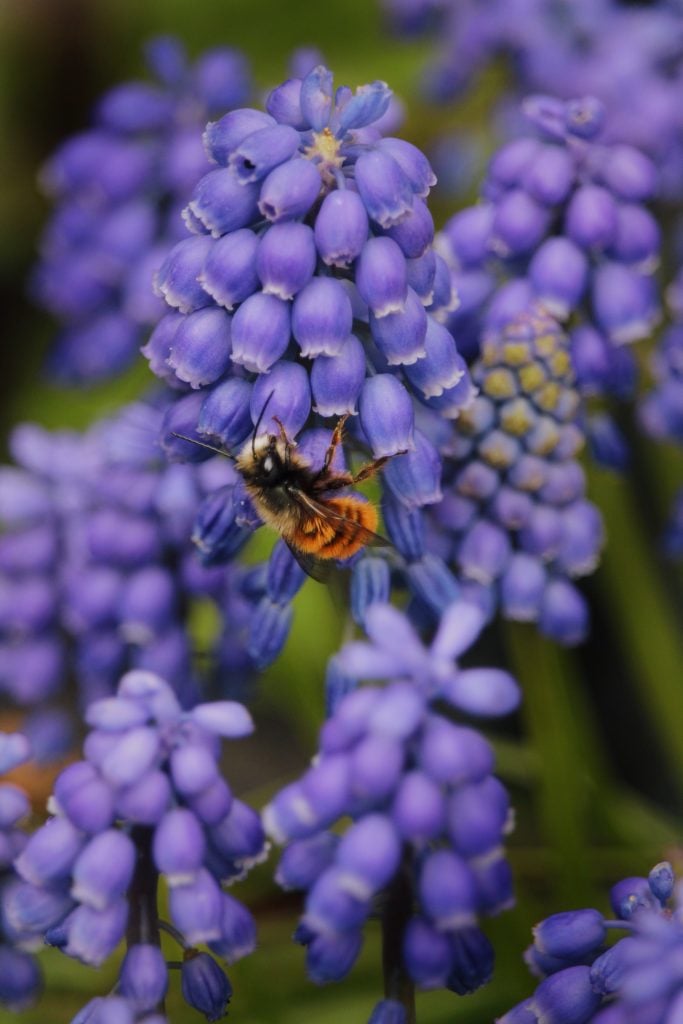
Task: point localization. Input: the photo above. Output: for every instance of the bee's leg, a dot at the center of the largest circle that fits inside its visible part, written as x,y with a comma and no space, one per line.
335,441
283,436
365,472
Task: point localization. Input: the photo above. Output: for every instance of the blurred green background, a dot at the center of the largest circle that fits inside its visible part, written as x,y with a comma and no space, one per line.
595,758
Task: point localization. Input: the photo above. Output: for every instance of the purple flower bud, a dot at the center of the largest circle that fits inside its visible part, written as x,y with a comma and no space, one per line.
20,979
284,103
370,583
422,275
50,852
415,233
193,768
570,935
14,750
341,227
369,854
415,478
221,77
412,162
143,978
205,985
386,415
223,136
388,1011
550,175
290,190
336,380
522,587
225,413
427,954
225,718
510,163
478,815
181,418
200,349
336,903
368,104
131,756
238,931
509,301
331,957
263,150
382,277
84,797
384,188
376,764
102,872
220,204
93,935
625,302
260,332
484,552
146,800
454,754
322,317
566,997
304,860
285,259
196,908
290,403
177,278
240,835
473,958
442,367
629,173
158,348
316,97
212,805
179,846
285,575
468,234
564,615
661,880
419,808
269,629
519,224
638,237
591,218
229,272
558,273
447,890
584,117
400,336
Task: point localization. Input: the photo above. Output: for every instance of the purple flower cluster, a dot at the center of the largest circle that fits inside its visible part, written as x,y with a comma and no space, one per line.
97,570
311,282
120,187
628,55
562,222
638,980
515,520
427,815
147,802
20,977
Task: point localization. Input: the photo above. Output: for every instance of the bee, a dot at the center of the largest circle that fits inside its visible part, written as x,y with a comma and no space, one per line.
301,503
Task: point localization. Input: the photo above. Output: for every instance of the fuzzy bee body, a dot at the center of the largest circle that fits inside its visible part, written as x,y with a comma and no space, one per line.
300,504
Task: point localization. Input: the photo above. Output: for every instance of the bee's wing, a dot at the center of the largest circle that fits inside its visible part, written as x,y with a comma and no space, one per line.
317,568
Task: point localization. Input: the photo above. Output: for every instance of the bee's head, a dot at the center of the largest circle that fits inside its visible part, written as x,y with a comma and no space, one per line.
263,460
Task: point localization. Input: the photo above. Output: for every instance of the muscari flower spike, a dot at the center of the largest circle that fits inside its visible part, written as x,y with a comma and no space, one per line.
636,980
564,223
147,801
425,808
97,570
119,187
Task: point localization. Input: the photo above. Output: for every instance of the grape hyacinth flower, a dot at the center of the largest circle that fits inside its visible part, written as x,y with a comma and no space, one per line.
147,803
515,520
563,222
427,815
637,980
119,187
20,975
97,570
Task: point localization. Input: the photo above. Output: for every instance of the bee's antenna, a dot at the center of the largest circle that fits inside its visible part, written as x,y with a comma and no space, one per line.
203,444
258,422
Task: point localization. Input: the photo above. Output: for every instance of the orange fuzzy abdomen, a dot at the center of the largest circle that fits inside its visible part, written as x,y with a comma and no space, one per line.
337,538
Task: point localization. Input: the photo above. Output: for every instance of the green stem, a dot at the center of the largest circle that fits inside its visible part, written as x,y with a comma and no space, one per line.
396,913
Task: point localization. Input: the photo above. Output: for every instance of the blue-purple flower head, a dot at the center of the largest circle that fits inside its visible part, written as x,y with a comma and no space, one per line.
311,274
515,521
149,798
418,786
119,188
587,980
564,221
